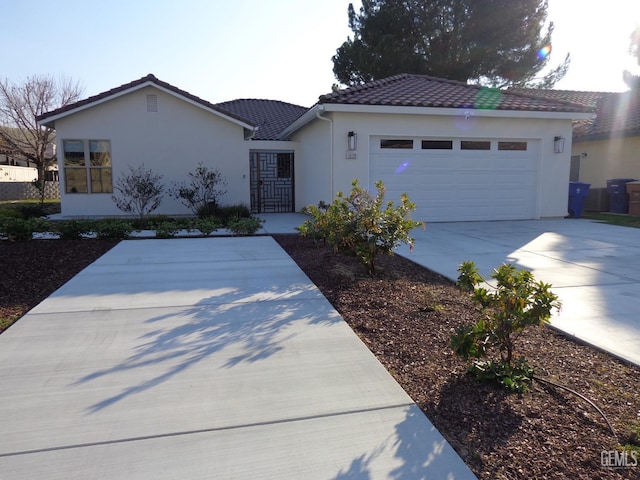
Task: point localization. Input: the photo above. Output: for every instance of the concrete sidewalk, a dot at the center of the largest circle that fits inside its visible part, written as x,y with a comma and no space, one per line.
594,268
199,359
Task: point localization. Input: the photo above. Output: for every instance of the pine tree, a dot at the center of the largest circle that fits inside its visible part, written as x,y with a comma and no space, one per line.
493,42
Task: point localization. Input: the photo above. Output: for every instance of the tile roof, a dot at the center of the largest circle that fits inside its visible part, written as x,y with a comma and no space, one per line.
616,114
589,99
425,91
270,116
127,86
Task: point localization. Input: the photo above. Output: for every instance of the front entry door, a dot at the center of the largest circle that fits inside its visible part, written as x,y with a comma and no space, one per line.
271,182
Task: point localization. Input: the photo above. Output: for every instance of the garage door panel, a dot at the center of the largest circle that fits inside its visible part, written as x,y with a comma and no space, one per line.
457,185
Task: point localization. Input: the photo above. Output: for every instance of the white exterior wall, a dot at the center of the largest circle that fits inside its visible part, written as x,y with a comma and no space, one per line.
553,169
313,164
171,142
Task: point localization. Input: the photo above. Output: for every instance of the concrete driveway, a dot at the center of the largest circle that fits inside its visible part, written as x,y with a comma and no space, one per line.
200,359
594,268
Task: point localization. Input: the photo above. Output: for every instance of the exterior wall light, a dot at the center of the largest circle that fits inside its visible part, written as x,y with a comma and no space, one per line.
352,141
558,144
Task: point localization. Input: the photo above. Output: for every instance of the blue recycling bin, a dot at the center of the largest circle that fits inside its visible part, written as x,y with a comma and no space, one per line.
618,196
578,191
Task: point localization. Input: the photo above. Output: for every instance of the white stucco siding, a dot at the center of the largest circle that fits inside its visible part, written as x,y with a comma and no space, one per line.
552,169
171,141
313,164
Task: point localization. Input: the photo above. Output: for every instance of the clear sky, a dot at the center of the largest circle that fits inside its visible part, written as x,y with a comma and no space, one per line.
275,49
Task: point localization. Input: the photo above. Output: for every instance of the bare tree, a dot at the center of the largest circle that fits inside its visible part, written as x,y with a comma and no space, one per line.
20,104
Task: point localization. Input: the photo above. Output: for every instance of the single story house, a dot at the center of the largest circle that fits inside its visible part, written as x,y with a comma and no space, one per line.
607,145
462,152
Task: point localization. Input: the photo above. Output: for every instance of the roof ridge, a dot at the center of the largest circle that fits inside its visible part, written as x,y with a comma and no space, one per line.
362,86
149,78
260,100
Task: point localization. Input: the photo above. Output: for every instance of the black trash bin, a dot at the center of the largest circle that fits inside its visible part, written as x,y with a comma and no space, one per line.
618,196
578,191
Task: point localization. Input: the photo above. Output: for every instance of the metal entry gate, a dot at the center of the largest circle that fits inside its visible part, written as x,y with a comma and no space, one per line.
271,182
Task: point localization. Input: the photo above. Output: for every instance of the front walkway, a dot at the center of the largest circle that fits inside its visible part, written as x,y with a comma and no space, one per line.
203,358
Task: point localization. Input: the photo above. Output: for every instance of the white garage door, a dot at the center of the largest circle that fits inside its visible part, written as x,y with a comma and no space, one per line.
459,179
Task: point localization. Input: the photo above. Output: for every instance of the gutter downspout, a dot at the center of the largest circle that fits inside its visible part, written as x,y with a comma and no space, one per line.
319,113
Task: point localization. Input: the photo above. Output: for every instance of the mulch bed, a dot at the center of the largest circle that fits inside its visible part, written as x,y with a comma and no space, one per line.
405,315
31,271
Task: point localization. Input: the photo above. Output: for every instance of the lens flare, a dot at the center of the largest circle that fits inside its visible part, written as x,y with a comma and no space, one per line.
402,167
544,52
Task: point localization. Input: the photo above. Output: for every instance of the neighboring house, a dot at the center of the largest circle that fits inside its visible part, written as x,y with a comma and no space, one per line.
14,167
461,152
606,146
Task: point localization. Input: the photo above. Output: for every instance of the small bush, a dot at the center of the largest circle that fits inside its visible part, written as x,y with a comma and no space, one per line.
203,191
517,302
10,212
245,226
207,226
228,213
362,223
31,211
167,230
73,229
17,229
113,228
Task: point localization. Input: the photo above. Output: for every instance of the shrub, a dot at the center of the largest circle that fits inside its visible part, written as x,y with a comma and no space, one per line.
202,192
362,223
140,191
16,229
73,229
113,228
31,211
167,229
10,212
207,226
228,213
245,226
517,302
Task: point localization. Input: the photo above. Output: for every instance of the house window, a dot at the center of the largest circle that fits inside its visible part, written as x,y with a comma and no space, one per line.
437,144
513,146
397,144
284,165
87,166
475,145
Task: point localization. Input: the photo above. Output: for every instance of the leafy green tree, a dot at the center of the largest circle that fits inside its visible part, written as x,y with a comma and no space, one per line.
493,42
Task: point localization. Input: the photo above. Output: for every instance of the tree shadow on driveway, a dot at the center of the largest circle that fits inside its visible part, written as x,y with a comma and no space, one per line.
226,330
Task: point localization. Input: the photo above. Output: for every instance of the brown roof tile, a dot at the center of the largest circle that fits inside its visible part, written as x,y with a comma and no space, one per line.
425,91
616,114
589,99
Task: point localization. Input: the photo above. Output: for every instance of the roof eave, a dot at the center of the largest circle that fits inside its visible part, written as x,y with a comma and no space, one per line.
50,121
450,111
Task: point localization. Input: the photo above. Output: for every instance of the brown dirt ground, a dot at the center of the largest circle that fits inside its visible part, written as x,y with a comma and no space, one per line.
405,315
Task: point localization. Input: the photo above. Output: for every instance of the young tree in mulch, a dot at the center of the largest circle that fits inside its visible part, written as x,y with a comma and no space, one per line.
202,191
140,191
